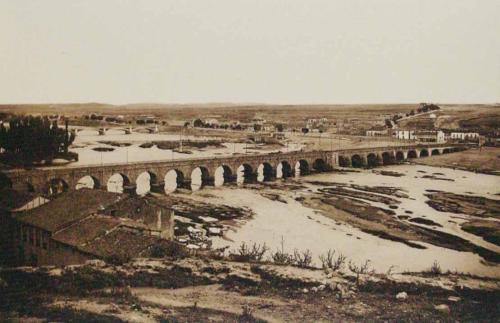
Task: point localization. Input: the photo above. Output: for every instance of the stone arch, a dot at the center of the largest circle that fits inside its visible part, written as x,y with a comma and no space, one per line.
424,153
372,160
57,186
357,161
173,180
400,156
245,174
344,161
223,174
388,158
117,183
145,182
446,151
320,165
88,181
284,170
265,172
200,177
435,152
301,167
412,154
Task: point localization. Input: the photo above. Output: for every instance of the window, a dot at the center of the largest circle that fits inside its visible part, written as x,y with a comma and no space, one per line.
38,237
44,241
32,235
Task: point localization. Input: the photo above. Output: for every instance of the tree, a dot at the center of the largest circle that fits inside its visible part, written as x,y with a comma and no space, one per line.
30,139
257,127
198,123
305,130
280,127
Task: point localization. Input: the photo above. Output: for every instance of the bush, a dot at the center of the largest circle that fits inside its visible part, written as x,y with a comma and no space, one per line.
435,269
361,269
302,259
280,257
328,261
249,254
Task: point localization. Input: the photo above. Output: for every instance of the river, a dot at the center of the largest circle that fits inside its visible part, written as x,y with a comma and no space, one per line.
303,228
88,139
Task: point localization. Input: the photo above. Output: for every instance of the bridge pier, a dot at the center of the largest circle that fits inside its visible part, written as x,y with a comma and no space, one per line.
306,162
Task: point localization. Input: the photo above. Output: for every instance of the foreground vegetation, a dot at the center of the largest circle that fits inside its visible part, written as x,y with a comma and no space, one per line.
184,288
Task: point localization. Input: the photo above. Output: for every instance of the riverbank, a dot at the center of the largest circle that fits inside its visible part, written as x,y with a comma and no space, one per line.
485,160
201,289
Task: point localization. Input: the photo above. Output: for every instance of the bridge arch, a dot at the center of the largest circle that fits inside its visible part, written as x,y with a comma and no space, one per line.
265,172
446,151
145,182
173,180
424,153
412,154
244,174
223,174
57,186
435,152
284,170
320,165
357,161
117,183
372,160
88,181
344,161
200,177
301,167
400,156
388,158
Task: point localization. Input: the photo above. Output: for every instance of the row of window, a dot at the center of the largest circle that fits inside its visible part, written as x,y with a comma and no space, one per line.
34,237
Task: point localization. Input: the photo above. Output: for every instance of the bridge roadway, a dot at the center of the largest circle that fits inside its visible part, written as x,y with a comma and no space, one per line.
50,179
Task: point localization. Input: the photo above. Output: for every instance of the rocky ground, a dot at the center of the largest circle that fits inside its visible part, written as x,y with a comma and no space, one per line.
347,203
484,213
201,289
485,160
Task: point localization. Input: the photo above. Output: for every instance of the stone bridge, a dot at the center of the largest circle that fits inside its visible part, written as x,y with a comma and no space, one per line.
184,173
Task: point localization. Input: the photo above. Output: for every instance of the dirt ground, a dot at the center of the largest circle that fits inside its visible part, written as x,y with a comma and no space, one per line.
203,290
484,160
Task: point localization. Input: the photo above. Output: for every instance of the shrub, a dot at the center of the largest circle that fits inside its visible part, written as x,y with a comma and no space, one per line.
328,261
280,257
245,253
361,269
302,259
435,269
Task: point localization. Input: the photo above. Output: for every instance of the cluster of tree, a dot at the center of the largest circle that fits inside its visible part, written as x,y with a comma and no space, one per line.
423,108
198,123
32,139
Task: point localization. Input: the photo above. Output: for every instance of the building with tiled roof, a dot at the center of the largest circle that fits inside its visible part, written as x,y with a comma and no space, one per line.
87,224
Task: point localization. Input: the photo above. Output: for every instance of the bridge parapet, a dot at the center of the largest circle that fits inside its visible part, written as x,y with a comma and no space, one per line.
315,160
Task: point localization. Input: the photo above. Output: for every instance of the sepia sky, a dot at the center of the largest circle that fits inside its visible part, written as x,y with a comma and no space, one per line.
273,51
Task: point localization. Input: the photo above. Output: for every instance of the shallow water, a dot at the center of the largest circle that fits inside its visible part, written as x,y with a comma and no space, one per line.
302,228
86,140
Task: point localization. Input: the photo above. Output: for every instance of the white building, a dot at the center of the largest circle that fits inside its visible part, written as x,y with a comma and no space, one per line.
464,135
404,134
